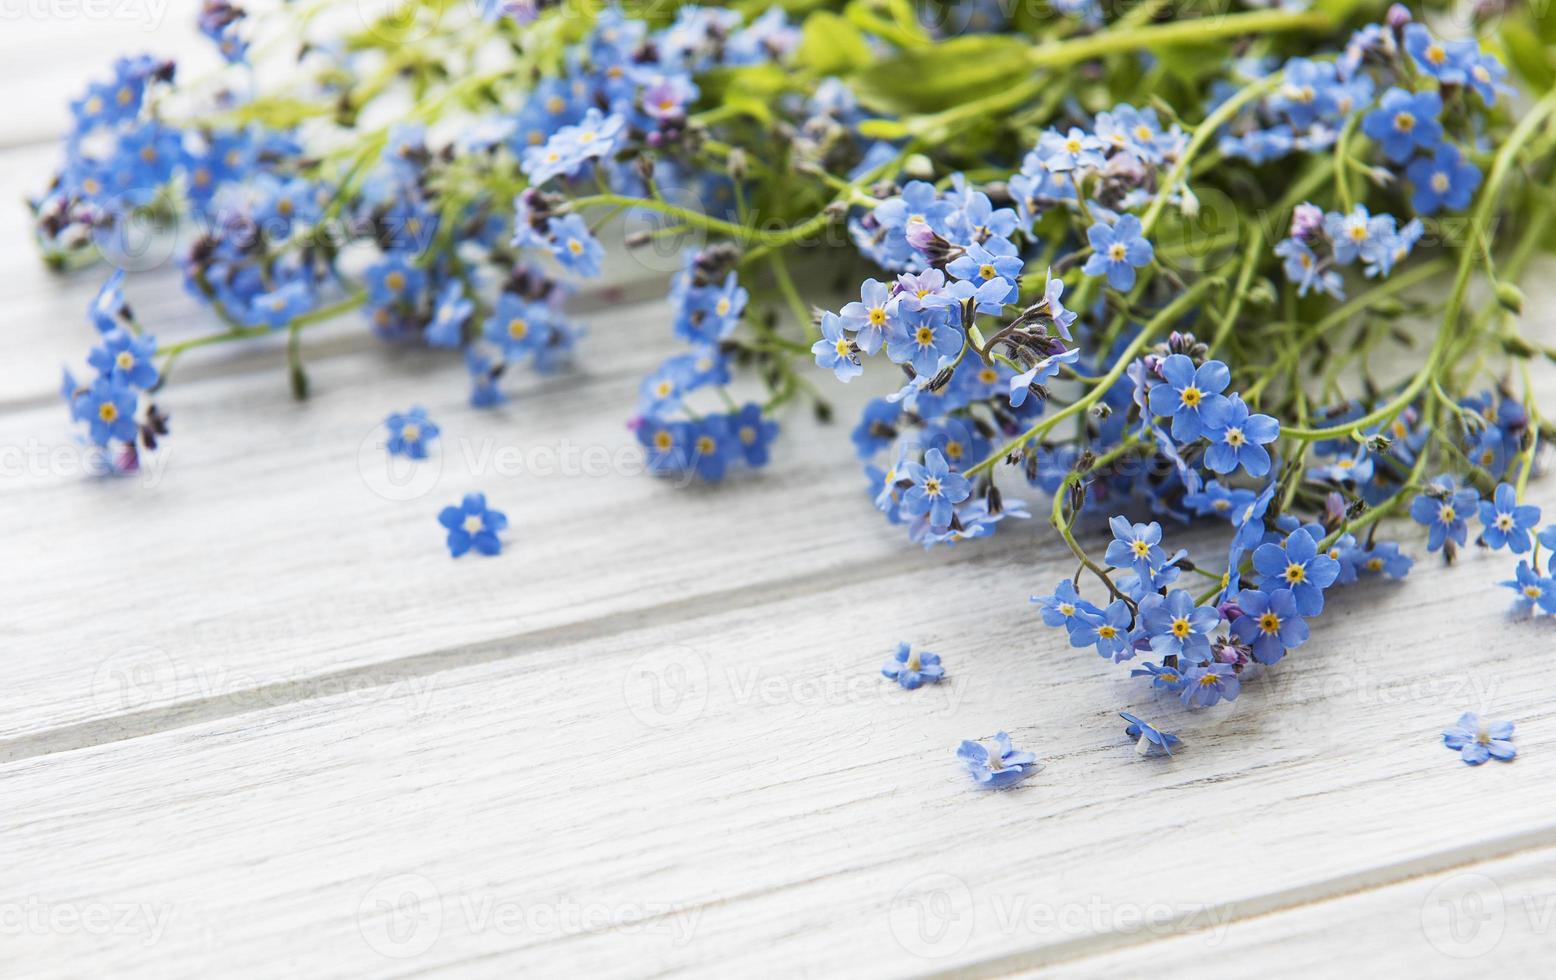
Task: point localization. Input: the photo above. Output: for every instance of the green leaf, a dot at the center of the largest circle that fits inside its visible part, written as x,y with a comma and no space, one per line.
1531,59
945,75
831,45
883,129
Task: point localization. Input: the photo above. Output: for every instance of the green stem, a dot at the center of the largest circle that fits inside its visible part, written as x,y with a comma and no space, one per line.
1195,31
321,315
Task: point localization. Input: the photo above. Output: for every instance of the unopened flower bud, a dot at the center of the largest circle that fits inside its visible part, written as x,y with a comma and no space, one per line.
1306,220
1398,16
1188,204
1510,297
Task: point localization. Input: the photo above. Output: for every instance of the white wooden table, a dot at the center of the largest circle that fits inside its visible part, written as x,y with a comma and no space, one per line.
255,719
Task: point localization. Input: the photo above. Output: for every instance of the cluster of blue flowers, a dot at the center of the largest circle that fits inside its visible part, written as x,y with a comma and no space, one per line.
280,234
708,304
109,405
959,260
1320,244
1405,88
1446,509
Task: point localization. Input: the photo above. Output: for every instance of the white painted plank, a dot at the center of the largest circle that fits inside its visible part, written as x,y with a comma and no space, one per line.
1496,918
262,555
794,811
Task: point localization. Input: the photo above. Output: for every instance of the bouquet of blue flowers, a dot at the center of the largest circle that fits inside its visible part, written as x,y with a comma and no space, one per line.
1166,261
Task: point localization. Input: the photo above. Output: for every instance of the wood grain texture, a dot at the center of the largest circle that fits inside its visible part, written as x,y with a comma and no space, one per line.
255,717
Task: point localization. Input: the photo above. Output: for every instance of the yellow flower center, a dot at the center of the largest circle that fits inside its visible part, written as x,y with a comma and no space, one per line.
1140,548
925,336
662,441
411,433
1235,437
1374,564
518,328
1447,514
1404,121
1192,396
395,281
1296,574
108,412
473,524
932,487
706,445
125,360
1269,623
1181,628
1117,251
877,316
987,271
1107,632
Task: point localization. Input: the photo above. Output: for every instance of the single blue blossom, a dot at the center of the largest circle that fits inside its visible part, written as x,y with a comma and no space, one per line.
1297,565
1404,122
1445,180
126,357
1117,251
575,246
1063,605
1532,589
1205,684
1477,741
999,766
1165,678
1443,510
410,433
1508,523
1108,631
1384,558
1240,439
835,351
1270,623
935,489
108,408
1178,627
1191,396
1137,546
473,525
911,668
922,339
1148,737
873,316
